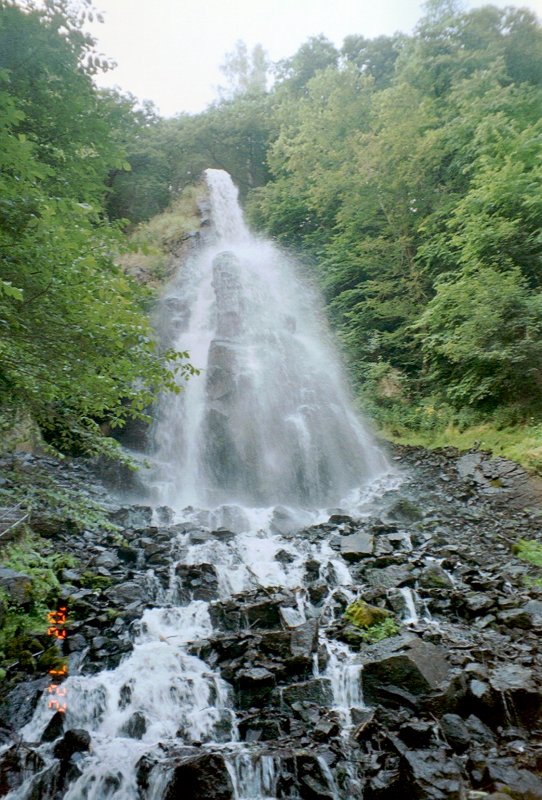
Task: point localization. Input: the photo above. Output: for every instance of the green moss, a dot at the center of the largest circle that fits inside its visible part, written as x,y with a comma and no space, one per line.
362,615
373,624
529,550
23,631
96,582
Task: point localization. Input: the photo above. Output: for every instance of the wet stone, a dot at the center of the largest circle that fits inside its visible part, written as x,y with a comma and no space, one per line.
455,732
402,663
196,582
356,546
136,516
136,726
434,576
75,740
314,691
389,577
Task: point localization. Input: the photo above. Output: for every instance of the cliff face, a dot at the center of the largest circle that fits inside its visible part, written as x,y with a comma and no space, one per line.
158,246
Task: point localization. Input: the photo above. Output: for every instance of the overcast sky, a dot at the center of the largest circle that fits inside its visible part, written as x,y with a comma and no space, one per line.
170,51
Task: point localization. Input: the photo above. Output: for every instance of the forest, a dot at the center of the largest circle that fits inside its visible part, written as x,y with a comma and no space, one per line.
403,172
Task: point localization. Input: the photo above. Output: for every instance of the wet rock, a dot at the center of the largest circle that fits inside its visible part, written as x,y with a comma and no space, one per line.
357,546
405,663
304,639
198,777
478,603
54,728
284,557
75,740
136,726
417,734
517,693
520,783
389,577
164,515
17,764
229,518
265,614
534,609
16,585
136,516
433,774
20,703
196,582
126,593
516,618
434,576
455,732
285,520
316,691
254,686
318,591
404,511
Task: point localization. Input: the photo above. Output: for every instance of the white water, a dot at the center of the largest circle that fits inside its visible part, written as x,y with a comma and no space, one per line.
267,422
269,419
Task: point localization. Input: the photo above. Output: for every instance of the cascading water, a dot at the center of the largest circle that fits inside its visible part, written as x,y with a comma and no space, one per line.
267,422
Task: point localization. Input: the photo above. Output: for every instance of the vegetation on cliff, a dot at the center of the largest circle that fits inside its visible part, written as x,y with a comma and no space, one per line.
76,347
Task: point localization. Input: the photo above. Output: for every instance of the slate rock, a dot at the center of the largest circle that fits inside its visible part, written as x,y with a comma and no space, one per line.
520,783
389,577
16,585
197,582
54,728
200,777
75,740
357,546
406,663
136,516
455,732
126,593
317,690
433,576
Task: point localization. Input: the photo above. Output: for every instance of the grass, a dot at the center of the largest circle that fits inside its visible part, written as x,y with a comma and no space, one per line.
153,242
530,551
520,443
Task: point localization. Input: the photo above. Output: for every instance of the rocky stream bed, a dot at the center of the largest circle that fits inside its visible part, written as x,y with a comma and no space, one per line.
448,708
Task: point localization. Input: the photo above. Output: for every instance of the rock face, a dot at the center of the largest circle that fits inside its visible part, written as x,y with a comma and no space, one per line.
402,665
448,707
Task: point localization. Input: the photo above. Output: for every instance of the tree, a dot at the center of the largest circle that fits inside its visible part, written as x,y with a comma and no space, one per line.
76,347
246,72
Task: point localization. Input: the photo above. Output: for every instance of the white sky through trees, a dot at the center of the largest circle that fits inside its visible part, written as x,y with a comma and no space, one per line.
170,51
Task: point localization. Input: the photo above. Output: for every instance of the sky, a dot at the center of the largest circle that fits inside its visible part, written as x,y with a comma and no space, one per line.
170,51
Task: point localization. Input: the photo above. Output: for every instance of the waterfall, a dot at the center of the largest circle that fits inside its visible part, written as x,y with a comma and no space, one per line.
267,422
269,419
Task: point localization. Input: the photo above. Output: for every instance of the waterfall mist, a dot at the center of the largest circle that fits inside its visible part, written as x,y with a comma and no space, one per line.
269,419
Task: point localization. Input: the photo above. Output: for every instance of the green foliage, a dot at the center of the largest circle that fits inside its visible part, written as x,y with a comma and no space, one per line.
382,630
409,170
482,337
77,349
529,550
42,496
373,623
24,624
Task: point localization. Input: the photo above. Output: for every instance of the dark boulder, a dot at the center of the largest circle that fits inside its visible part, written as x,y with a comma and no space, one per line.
404,663
75,740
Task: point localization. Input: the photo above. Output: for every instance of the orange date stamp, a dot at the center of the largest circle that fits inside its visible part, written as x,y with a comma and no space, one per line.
57,629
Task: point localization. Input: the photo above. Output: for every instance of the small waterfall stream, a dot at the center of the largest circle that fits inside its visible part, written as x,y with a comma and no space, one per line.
260,445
